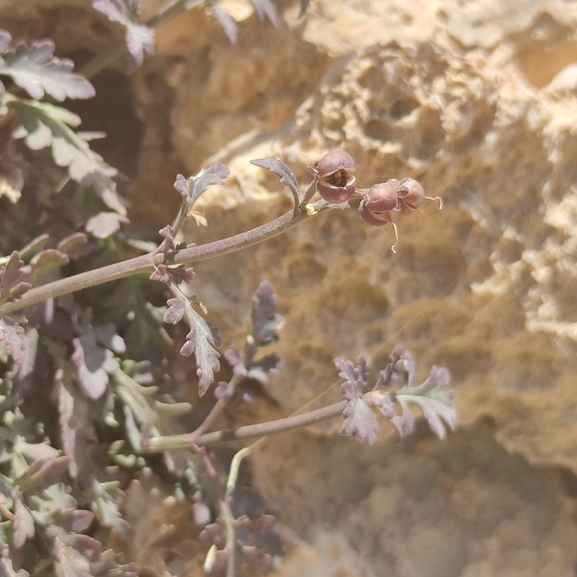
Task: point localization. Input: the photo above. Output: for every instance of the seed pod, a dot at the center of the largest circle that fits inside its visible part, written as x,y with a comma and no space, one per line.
381,197
374,218
410,194
336,179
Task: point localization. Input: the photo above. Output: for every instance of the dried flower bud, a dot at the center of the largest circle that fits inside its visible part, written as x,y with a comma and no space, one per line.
336,179
410,194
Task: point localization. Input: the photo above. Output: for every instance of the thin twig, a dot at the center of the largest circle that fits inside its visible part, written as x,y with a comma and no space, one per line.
182,442
145,263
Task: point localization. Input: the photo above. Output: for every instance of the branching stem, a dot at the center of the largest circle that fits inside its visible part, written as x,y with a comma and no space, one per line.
182,442
145,263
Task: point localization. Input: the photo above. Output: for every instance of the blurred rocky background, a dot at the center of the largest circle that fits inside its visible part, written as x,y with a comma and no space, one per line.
476,99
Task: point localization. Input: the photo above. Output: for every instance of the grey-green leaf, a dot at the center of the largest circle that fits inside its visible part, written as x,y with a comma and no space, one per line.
36,70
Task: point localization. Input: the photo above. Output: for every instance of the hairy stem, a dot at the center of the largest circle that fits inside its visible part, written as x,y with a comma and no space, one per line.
182,442
146,263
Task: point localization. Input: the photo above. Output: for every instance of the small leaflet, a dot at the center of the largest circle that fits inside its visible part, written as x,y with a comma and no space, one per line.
280,169
175,311
191,188
23,522
359,418
10,275
12,334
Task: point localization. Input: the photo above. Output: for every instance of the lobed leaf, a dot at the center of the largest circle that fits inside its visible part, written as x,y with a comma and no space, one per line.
43,125
36,70
43,473
175,311
438,406
23,522
12,334
10,275
359,421
359,418
202,340
139,37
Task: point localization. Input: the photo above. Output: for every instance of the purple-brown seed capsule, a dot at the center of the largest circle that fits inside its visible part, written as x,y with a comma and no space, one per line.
410,194
336,178
381,197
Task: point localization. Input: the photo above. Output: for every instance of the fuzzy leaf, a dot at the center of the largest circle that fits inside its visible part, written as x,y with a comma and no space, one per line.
45,263
139,37
175,311
228,24
73,520
43,473
160,274
75,246
191,188
265,323
34,246
23,522
10,275
438,406
43,125
12,334
36,70
94,364
356,377
105,224
359,421
202,341
280,169
359,418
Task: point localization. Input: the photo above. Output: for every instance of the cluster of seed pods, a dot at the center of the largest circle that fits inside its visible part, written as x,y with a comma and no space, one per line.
335,173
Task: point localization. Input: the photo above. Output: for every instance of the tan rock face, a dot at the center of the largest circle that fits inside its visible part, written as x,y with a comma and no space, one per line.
470,286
